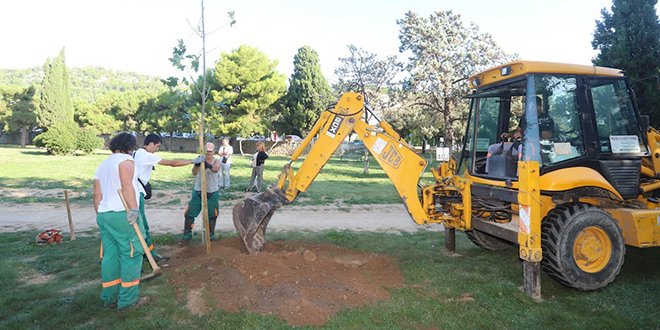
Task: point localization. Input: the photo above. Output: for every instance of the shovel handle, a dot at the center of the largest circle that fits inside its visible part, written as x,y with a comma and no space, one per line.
152,262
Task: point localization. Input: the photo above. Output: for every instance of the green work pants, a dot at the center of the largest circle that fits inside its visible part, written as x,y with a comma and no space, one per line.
121,262
145,227
195,207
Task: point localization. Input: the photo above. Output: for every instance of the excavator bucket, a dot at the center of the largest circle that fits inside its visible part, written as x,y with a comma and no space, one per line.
251,217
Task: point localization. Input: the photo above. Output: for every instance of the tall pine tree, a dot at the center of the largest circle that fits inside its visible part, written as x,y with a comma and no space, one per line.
248,85
56,102
308,95
628,38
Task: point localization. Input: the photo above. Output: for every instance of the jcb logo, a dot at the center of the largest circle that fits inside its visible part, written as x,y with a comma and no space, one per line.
391,155
334,126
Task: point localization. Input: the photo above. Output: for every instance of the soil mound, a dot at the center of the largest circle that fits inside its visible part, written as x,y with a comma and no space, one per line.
303,284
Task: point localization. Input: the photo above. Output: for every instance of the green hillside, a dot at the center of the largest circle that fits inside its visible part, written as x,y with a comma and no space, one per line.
89,83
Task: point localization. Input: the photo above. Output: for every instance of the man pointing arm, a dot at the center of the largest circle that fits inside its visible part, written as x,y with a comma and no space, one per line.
145,159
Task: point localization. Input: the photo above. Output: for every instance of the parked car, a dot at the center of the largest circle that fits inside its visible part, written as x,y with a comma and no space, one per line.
207,136
258,138
292,138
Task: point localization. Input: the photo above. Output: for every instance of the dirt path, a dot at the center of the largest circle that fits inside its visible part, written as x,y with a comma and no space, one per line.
169,219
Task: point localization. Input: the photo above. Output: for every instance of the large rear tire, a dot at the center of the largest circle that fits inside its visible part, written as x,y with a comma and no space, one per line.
487,241
583,246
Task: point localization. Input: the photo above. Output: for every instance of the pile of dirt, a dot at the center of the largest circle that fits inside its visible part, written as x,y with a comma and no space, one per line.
301,283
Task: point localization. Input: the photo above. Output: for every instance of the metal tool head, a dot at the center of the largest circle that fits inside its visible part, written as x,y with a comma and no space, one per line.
251,217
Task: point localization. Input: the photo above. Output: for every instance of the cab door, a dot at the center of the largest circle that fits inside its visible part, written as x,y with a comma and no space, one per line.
618,140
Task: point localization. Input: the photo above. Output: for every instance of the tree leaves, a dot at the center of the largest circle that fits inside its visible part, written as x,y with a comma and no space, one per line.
247,85
56,102
628,38
308,95
367,72
444,53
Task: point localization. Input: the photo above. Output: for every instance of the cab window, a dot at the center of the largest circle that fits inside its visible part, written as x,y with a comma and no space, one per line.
560,132
616,120
485,118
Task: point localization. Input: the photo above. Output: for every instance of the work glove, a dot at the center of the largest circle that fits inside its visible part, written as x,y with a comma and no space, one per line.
207,165
132,216
198,160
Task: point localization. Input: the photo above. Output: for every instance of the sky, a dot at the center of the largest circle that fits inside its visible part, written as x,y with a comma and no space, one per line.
139,35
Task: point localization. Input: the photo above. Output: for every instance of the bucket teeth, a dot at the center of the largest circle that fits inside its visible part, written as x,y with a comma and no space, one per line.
251,217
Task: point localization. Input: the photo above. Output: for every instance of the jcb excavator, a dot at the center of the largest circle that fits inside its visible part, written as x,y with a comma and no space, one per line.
580,184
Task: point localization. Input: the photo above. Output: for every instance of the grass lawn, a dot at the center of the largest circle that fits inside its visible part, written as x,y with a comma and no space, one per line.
339,181
58,286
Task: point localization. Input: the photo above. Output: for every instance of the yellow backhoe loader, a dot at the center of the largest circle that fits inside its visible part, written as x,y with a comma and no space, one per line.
580,182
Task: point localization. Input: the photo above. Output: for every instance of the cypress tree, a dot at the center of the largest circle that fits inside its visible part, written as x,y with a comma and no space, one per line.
628,38
308,95
56,103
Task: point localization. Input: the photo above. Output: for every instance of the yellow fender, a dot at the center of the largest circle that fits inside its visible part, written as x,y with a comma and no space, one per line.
576,177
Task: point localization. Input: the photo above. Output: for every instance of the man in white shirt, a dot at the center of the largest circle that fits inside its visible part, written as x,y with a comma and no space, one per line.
145,159
225,151
121,251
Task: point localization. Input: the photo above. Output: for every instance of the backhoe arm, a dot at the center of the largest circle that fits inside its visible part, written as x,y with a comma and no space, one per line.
401,163
651,165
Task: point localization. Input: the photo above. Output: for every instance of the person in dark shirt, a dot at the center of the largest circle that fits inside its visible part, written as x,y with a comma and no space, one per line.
257,178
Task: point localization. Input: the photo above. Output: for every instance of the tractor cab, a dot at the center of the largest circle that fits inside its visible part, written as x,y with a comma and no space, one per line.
572,119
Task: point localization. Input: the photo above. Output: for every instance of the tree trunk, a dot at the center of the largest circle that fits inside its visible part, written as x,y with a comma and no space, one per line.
449,140
171,137
366,161
449,130
24,136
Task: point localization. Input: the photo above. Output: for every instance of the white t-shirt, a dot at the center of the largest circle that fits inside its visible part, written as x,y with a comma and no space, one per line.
144,164
108,176
228,149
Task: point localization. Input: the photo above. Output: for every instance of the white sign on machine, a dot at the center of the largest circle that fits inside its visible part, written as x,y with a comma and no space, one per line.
442,154
624,143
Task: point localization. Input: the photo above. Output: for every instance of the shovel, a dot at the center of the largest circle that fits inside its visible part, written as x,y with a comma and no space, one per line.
152,262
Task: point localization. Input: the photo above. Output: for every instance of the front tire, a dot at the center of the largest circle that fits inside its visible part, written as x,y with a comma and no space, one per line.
583,246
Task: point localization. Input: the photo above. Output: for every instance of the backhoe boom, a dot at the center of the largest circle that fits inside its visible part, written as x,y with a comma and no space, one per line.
397,158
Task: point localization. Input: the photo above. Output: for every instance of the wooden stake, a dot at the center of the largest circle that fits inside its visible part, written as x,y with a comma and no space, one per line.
68,211
205,204
532,279
450,239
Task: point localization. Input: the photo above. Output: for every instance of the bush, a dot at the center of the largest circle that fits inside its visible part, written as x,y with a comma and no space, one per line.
87,140
66,138
60,139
